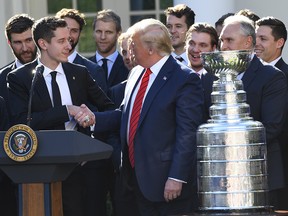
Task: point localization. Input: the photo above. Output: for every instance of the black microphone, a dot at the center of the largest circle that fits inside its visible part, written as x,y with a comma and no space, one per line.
37,73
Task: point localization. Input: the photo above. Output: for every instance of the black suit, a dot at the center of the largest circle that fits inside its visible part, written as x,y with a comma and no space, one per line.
3,82
8,203
266,89
82,88
118,73
94,69
284,144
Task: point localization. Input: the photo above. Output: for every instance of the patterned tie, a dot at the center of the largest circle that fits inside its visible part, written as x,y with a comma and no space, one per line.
136,110
55,90
105,67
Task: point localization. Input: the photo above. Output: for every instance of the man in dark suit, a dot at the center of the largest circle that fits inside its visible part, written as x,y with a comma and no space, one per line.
158,140
19,37
76,21
8,203
76,88
271,35
266,89
202,37
107,28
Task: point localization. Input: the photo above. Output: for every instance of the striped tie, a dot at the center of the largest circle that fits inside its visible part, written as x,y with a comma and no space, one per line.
136,110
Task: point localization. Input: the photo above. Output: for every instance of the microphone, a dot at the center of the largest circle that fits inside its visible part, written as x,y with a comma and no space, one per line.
37,73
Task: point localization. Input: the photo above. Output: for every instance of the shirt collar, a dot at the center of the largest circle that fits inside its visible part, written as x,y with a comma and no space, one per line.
72,56
47,70
157,67
272,62
18,63
111,57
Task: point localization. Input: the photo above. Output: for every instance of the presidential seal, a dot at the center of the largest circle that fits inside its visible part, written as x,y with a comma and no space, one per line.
20,143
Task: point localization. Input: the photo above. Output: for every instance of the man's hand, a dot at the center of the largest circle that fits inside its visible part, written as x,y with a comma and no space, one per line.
83,115
172,189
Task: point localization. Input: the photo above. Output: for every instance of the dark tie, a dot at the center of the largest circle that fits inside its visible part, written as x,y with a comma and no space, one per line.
179,58
55,90
105,67
136,110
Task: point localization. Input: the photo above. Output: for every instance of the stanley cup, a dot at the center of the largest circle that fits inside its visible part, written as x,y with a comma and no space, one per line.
231,147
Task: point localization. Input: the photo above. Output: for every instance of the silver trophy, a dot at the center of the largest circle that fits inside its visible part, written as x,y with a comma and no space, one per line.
231,147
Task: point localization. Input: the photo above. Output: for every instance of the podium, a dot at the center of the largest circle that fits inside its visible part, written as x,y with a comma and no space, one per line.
58,153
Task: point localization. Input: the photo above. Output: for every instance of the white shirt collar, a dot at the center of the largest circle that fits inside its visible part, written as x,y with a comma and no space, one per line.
111,57
72,56
272,62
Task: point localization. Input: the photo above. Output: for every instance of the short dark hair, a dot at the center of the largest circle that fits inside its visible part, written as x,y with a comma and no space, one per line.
44,28
278,27
204,28
108,16
182,10
73,14
18,23
220,21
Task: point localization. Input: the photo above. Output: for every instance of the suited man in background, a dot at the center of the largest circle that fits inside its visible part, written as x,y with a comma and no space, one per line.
202,37
19,38
107,28
179,18
76,21
271,36
76,88
266,90
158,140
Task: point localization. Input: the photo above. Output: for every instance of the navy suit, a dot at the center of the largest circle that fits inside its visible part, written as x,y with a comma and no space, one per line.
207,80
165,140
83,89
266,89
94,69
118,73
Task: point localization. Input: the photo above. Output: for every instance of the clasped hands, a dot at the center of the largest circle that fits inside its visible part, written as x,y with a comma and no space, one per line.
82,115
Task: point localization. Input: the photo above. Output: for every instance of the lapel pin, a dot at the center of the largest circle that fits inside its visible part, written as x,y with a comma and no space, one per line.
164,78
73,77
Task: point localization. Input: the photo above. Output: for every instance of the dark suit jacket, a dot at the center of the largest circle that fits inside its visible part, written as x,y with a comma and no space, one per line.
44,116
266,89
4,123
94,69
165,140
207,80
118,73
3,82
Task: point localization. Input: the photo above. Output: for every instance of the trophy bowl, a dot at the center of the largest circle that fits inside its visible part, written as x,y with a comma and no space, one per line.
226,62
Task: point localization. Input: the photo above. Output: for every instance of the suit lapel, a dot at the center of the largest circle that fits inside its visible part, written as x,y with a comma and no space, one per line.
71,77
250,73
162,77
114,71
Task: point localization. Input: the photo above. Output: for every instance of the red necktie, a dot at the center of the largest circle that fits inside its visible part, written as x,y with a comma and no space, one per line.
136,110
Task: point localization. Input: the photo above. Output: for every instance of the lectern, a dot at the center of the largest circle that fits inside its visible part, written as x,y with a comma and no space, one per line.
58,153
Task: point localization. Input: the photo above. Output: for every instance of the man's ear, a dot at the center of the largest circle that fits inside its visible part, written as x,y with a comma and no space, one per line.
280,42
42,44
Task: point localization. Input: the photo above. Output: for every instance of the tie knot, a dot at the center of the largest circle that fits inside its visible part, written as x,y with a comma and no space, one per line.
104,60
148,71
179,58
53,74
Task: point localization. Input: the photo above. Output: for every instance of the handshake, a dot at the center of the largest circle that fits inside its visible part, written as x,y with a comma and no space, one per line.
82,115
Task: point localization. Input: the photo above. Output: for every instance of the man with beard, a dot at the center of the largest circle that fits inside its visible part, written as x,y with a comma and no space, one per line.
76,21
19,38
107,28
178,20
202,37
